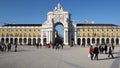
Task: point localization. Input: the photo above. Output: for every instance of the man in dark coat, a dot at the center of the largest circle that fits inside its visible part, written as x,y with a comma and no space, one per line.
96,52
110,52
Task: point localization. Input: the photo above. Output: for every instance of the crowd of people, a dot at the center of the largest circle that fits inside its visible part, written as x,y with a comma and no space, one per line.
54,46
94,51
7,47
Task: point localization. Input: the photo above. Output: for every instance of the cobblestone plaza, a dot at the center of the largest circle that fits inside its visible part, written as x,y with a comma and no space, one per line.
75,57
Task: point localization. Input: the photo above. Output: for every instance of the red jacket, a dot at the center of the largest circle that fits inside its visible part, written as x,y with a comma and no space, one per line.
91,50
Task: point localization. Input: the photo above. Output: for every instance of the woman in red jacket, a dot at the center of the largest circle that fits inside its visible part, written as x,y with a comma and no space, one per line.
91,52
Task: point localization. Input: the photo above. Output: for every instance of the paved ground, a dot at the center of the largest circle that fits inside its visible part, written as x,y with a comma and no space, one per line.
75,57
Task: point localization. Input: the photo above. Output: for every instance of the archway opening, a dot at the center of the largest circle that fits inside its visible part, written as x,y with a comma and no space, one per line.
88,41
107,40
25,40
39,40
7,40
59,33
29,41
103,41
98,41
16,41
83,42
11,40
117,41
93,40
20,41
2,40
78,41
34,41
112,41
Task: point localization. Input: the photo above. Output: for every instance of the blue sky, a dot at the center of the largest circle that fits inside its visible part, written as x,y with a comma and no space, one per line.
35,11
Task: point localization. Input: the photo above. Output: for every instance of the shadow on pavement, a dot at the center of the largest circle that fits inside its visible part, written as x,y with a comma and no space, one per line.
109,58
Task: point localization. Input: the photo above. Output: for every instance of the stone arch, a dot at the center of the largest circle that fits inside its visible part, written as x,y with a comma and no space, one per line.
34,41
98,41
88,41
93,40
25,40
11,40
7,40
29,41
78,41
103,41
112,41
58,16
2,40
117,41
39,40
20,41
83,42
16,41
107,40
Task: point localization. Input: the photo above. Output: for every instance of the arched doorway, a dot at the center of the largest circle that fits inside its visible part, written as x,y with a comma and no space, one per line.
7,40
2,40
107,40
93,40
20,41
117,41
16,41
39,40
88,41
29,41
78,41
11,40
112,41
83,42
103,41
44,42
59,33
34,41
25,41
98,41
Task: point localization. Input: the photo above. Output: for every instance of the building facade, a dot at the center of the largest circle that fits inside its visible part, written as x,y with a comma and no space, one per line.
80,34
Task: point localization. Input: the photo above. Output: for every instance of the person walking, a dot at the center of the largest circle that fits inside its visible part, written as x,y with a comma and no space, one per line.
110,52
91,52
16,47
96,52
106,49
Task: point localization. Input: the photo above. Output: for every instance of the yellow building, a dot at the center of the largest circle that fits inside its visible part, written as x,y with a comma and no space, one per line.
98,34
80,34
20,33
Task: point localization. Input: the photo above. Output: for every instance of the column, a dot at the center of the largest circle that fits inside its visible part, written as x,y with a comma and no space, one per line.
42,37
13,40
119,41
5,40
36,40
18,41
90,41
114,41
110,40
66,37
27,41
31,41
81,41
75,38
0,39
49,36
105,40
22,41
86,41
100,40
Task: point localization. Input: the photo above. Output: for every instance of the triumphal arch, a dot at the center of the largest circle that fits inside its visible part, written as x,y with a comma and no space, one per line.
58,16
